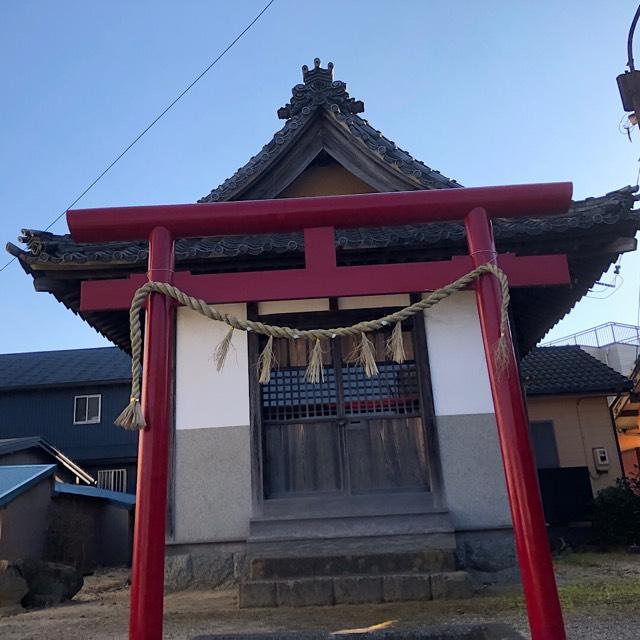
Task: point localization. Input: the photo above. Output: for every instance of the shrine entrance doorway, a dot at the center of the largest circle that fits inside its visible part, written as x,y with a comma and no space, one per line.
350,440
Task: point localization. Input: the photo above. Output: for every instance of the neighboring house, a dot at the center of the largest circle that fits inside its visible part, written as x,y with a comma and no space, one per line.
407,460
71,399
25,497
35,450
626,412
618,346
572,430
43,518
614,343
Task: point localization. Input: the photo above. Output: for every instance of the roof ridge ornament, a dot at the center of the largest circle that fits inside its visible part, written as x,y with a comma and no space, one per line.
319,90
317,72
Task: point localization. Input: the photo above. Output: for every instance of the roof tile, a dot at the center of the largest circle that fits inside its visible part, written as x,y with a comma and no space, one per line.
567,370
73,366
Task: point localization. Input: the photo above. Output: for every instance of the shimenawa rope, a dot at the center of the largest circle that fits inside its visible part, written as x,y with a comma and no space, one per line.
132,417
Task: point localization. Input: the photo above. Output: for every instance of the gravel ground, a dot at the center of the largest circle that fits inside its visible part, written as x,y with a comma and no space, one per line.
600,593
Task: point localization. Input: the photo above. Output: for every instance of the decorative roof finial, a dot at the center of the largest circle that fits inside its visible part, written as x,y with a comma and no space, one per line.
317,73
319,90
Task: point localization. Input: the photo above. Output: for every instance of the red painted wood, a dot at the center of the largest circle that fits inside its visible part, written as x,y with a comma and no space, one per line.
320,249
291,214
322,280
532,544
147,575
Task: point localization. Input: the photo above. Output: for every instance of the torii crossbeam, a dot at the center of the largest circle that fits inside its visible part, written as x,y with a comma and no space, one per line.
321,277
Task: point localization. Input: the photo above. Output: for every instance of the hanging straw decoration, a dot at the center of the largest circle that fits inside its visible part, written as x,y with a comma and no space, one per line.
366,356
395,345
132,418
222,350
266,362
315,368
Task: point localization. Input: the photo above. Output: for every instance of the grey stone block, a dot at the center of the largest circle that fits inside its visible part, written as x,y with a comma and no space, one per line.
487,551
357,589
240,565
451,586
402,588
212,570
305,592
178,573
257,594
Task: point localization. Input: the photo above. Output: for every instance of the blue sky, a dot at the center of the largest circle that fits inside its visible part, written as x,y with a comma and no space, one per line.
486,92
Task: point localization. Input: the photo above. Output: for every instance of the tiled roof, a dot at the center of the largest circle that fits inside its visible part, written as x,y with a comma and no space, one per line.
321,93
74,366
16,479
567,370
45,248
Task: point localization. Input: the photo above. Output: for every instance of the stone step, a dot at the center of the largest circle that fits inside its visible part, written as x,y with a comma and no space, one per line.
427,561
309,528
336,590
360,545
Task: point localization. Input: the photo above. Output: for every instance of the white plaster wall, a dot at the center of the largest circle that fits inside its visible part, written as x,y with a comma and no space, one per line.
206,397
459,376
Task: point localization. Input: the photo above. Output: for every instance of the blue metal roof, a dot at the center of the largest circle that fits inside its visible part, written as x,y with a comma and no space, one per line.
73,366
16,479
126,500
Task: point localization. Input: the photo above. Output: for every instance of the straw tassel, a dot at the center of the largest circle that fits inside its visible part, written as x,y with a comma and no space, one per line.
395,345
315,368
132,417
501,352
265,362
367,356
222,350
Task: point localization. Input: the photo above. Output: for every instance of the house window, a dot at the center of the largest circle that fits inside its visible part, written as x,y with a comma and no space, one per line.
87,409
113,479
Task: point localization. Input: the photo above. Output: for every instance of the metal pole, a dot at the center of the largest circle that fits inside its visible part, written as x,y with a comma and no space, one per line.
147,576
532,544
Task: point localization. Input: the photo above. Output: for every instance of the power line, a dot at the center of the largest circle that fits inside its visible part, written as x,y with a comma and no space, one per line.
153,122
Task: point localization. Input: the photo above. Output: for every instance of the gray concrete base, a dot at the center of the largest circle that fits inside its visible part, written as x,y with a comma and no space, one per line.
449,632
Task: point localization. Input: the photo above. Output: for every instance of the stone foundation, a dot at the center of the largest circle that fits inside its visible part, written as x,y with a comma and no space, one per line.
204,570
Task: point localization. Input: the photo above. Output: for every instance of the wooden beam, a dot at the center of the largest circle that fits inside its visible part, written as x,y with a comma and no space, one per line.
323,280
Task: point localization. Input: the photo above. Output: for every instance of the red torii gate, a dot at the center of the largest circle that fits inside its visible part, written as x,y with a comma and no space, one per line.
321,277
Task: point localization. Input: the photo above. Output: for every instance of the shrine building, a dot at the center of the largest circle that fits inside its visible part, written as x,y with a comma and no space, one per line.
404,461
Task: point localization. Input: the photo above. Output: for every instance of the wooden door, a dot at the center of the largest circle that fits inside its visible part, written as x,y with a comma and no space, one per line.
347,435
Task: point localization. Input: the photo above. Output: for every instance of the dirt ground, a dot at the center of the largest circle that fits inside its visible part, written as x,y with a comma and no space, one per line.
600,595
